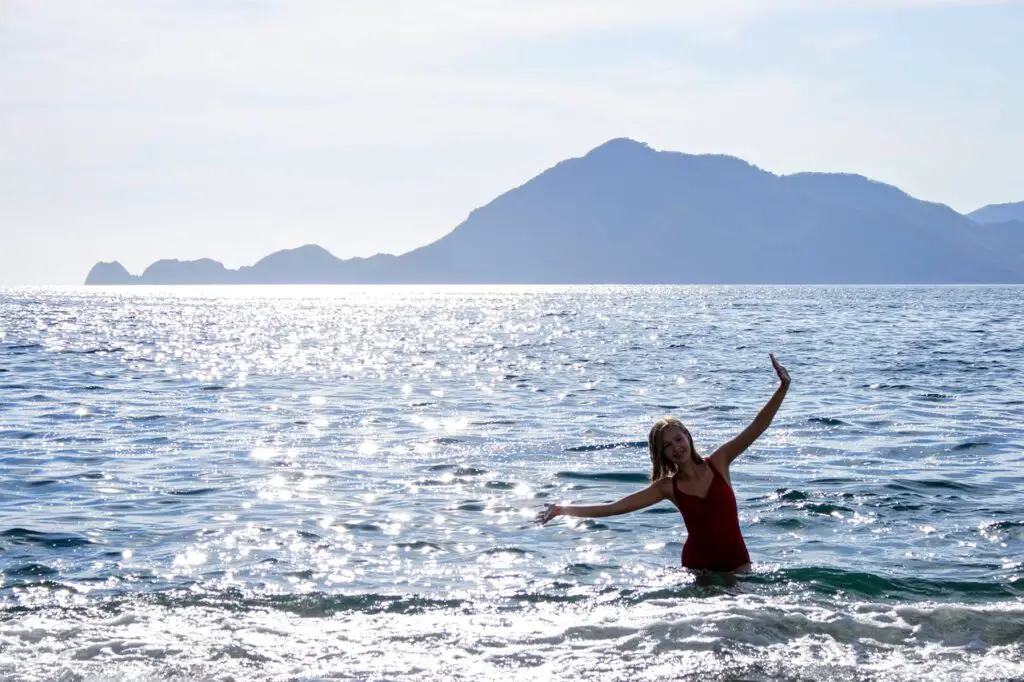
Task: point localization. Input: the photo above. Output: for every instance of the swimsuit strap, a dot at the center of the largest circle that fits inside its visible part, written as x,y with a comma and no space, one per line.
675,491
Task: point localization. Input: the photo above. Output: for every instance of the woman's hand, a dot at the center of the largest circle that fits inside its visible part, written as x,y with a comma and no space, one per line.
780,370
550,511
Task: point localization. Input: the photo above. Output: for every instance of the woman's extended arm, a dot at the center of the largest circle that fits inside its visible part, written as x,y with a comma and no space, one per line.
652,494
729,451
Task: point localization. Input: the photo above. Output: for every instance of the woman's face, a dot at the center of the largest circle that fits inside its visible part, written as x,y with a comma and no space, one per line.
675,445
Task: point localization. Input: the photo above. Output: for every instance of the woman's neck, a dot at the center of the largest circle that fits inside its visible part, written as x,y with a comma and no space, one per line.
690,467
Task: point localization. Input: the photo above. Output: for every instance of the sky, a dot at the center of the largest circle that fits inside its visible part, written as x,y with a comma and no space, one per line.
134,130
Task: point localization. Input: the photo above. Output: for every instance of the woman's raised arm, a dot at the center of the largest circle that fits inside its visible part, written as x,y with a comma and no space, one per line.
729,451
652,494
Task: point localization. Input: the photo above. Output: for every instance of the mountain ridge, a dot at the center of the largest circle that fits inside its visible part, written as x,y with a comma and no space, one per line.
597,218
998,213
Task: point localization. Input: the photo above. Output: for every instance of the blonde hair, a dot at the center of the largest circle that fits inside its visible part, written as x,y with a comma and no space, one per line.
660,466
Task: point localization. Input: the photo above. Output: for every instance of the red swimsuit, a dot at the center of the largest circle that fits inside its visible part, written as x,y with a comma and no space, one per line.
714,541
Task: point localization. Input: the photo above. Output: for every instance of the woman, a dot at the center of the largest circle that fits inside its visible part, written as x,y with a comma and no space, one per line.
700,488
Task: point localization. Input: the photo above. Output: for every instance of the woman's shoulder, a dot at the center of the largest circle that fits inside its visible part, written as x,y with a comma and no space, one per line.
664,484
719,465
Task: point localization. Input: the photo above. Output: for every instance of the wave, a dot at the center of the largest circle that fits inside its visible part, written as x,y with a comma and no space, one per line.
457,470
615,477
191,491
823,584
500,485
827,421
971,444
23,346
715,408
825,508
363,526
20,435
509,549
309,605
91,351
1008,527
147,418
29,570
26,536
1007,351
833,581
922,486
236,635
607,446
887,387
42,482
420,545
833,481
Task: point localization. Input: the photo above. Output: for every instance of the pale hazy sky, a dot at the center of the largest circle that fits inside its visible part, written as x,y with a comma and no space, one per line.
132,130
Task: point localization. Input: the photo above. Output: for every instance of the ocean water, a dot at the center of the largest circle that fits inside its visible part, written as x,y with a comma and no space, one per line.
302,483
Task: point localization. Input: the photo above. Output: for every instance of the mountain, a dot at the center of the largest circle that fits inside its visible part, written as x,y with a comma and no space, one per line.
110,273
312,264
998,213
167,271
1008,235
625,213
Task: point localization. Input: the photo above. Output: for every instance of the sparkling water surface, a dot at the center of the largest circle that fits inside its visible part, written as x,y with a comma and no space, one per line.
297,483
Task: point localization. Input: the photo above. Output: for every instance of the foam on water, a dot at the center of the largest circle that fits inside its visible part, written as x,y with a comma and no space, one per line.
704,632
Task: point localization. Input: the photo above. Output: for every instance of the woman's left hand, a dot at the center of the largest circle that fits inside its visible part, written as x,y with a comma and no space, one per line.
780,370
549,512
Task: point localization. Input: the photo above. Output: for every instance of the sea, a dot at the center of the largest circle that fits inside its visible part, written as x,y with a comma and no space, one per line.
340,482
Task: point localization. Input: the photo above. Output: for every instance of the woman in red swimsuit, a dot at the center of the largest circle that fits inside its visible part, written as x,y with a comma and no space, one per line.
699,487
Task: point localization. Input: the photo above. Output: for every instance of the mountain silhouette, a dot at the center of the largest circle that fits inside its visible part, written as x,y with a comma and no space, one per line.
312,264
998,213
626,213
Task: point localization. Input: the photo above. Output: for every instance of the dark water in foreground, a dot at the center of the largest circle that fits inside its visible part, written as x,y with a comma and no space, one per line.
300,483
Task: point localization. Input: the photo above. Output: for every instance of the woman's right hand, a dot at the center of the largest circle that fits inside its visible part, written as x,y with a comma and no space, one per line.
550,511
780,371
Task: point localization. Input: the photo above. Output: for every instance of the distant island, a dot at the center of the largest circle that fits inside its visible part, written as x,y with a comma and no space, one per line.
626,213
